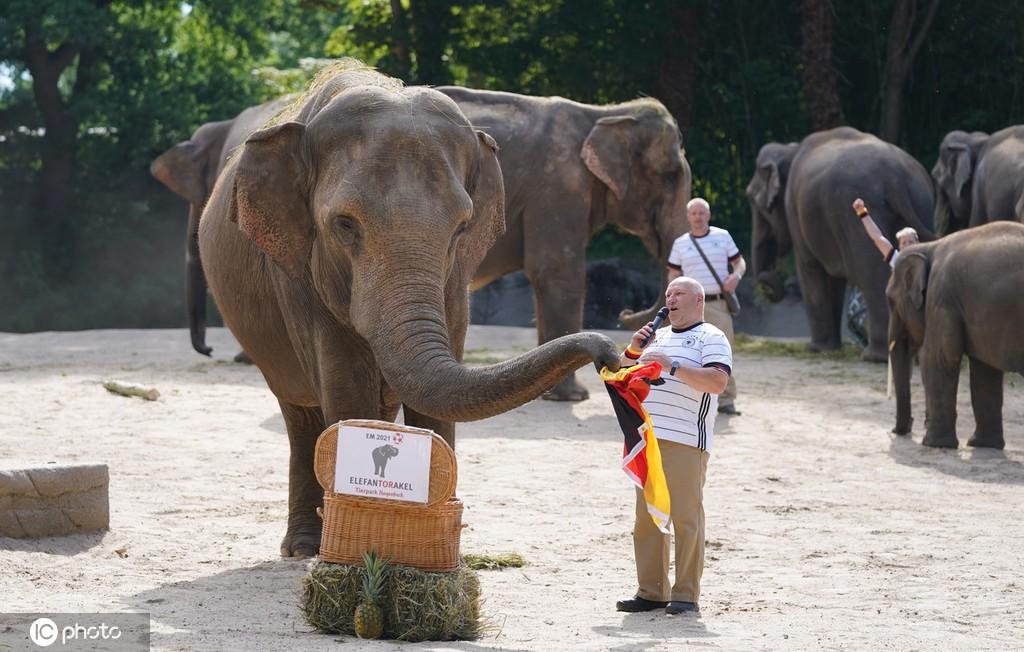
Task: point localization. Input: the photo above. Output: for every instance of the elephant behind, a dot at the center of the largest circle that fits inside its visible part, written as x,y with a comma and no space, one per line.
339,244
570,169
957,296
190,169
800,197
979,178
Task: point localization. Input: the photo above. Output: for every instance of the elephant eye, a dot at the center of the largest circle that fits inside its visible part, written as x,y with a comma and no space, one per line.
346,228
462,229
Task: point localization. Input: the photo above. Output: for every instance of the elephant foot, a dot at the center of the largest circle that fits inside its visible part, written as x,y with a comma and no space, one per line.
243,358
987,440
568,390
903,429
300,544
948,440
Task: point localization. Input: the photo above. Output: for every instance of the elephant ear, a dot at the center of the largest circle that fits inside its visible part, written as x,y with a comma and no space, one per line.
916,277
768,187
182,168
487,190
270,196
607,152
958,160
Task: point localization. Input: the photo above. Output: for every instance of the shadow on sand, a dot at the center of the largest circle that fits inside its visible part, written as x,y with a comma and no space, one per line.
985,465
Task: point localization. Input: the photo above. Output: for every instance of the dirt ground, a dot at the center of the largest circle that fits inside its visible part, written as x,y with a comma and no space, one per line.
824,531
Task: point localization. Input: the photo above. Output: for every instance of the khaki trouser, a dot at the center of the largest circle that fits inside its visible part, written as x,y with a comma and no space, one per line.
717,314
685,471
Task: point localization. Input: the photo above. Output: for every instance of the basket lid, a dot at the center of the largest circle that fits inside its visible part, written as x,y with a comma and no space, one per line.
443,467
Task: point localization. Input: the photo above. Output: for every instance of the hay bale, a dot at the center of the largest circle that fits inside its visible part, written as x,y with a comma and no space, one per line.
418,606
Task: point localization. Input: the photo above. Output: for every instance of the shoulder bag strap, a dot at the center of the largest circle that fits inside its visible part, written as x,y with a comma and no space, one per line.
707,262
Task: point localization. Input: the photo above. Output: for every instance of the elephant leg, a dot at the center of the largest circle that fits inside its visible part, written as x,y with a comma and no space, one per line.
305,494
823,301
444,428
559,282
940,375
877,349
987,401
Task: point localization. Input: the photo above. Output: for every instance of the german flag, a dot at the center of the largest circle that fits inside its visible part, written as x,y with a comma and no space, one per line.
641,458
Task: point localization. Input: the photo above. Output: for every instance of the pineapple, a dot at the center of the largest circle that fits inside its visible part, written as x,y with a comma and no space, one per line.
369,616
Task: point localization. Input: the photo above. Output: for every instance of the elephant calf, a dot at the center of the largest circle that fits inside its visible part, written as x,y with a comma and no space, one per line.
953,297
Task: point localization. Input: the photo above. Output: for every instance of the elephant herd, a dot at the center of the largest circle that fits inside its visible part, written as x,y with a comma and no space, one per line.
341,230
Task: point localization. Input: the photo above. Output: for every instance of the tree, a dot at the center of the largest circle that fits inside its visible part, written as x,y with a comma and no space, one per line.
816,72
906,35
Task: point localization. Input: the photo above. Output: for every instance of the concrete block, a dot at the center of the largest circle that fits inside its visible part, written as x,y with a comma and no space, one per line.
54,500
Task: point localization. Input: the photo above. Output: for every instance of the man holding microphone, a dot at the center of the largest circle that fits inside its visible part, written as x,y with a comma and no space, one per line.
696,362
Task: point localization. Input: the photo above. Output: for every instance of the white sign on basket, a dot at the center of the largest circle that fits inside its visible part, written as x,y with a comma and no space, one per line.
382,464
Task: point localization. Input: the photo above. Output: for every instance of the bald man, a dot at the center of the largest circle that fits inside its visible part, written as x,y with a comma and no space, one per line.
696,362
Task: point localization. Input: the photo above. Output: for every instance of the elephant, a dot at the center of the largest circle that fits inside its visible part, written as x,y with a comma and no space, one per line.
569,170
339,243
381,455
190,169
800,197
959,295
979,178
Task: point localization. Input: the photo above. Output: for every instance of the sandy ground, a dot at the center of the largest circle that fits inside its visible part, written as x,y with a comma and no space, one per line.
823,530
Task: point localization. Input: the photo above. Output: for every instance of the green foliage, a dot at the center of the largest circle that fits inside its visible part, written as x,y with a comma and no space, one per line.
147,73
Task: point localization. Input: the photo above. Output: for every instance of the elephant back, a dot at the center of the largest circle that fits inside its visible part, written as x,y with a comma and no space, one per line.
443,467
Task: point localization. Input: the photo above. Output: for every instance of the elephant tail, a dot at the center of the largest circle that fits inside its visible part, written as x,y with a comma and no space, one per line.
900,200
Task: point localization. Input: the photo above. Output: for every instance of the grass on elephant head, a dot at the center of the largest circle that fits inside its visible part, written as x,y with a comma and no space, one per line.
744,343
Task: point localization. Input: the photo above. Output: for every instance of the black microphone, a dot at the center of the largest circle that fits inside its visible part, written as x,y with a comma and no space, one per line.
660,317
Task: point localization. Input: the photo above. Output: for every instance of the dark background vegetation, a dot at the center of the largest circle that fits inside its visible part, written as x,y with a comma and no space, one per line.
91,91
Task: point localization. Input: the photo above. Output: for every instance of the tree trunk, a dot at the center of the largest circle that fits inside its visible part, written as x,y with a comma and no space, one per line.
818,75
677,69
902,47
432,22
54,190
400,41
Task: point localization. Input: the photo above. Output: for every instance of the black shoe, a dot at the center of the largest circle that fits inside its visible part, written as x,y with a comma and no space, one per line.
729,409
678,607
634,605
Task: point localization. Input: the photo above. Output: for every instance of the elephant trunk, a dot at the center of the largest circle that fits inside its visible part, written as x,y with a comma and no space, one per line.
195,285
945,222
667,230
415,357
765,256
901,359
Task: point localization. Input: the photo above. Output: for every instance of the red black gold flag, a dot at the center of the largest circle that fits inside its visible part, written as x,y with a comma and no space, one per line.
641,457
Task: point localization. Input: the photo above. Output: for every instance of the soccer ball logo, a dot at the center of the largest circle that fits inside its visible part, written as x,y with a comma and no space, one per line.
397,438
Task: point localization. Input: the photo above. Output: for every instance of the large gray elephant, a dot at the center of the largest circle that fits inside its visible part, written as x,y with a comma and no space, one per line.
954,297
979,178
339,244
190,170
570,169
800,198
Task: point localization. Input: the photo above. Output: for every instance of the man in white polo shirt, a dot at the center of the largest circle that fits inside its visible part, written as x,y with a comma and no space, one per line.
697,362
722,252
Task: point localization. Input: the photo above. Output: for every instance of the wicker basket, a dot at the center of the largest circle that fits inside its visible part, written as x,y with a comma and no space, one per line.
443,467
409,535
424,536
